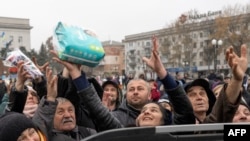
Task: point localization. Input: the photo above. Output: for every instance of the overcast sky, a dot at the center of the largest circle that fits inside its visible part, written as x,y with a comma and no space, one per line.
109,19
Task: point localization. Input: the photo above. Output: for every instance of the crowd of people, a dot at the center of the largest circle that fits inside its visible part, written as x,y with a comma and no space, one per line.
70,106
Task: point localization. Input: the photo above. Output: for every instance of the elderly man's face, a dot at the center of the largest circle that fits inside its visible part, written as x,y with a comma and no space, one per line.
64,119
198,97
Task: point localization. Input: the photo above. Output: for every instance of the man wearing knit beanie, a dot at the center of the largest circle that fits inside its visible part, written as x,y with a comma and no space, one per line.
12,125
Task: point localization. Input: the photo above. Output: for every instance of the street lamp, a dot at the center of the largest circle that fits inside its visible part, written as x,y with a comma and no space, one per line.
185,64
216,44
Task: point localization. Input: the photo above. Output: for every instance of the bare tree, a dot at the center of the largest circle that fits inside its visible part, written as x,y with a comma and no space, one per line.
184,29
49,45
232,26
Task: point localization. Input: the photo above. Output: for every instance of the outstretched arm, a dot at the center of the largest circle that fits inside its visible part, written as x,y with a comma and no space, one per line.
238,65
176,93
105,120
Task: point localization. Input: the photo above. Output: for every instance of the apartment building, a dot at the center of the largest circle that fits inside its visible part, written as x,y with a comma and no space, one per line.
192,62
113,62
14,33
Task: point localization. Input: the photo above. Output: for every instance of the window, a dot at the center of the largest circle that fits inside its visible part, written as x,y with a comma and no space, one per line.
194,35
207,42
138,43
195,45
201,44
225,61
201,35
218,62
201,54
20,39
194,54
173,39
160,40
148,43
201,63
12,38
248,26
138,52
130,44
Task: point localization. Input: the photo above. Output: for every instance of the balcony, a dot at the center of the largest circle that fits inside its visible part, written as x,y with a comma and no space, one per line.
132,57
132,51
147,47
132,72
132,64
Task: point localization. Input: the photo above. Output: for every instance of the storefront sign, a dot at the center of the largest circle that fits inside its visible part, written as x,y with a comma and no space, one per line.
204,15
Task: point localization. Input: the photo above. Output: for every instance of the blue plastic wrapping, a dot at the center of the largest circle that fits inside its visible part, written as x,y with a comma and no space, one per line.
77,45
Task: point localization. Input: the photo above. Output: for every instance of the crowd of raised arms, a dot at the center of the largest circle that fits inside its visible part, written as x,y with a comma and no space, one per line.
69,106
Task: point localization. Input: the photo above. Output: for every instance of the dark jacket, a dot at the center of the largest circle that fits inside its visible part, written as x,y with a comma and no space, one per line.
45,115
17,101
126,115
3,89
3,103
67,90
223,111
103,118
183,110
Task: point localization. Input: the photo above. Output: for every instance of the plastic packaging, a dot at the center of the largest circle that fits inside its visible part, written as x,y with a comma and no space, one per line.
15,56
77,45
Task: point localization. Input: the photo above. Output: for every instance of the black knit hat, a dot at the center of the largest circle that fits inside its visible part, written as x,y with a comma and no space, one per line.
204,84
12,125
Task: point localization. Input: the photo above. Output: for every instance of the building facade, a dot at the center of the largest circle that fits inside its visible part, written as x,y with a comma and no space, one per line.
14,33
113,63
190,57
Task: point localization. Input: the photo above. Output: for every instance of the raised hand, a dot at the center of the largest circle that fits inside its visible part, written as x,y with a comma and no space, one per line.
154,62
238,64
74,69
51,85
41,68
22,76
106,100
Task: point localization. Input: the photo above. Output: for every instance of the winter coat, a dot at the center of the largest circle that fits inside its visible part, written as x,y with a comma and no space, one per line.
45,116
223,111
67,90
125,115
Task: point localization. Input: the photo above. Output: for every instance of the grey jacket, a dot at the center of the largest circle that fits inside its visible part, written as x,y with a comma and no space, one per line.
45,116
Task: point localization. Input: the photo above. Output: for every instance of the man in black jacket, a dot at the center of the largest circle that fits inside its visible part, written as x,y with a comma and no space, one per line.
59,113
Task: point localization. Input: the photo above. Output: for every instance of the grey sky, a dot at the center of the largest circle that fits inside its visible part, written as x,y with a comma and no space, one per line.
109,19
